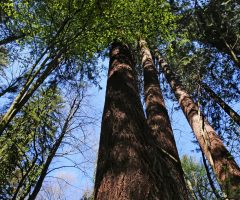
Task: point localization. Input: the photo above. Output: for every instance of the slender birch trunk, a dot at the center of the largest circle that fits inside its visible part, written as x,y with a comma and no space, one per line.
232,114
223,164
159,123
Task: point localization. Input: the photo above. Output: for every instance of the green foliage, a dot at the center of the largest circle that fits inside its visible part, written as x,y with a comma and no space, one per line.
84,29
198,55
196,179
129,20
3,58
27,142
214,23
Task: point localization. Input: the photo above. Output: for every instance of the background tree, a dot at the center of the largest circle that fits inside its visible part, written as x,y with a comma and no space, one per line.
59,42
197,179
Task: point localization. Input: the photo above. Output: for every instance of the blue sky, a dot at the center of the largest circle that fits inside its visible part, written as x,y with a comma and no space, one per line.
82,182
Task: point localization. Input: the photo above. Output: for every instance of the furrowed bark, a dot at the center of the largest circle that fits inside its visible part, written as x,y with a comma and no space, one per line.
159,122
223,164
232,114
130,166
121,171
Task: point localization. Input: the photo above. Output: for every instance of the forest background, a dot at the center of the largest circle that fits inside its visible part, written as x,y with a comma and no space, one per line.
53,70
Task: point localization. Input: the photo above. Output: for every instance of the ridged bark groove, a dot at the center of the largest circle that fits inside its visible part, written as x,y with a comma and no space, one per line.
159,122
121,170
130,165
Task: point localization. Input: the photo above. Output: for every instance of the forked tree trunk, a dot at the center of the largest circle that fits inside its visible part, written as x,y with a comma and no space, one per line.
129,167
232,114
223,164
158,121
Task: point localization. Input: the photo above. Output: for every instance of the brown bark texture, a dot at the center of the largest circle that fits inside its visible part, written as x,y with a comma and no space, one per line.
121,173
158,120
223,164
232,114
129,166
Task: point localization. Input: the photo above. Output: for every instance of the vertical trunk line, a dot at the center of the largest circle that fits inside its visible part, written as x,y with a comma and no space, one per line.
204,135
122,172
130,165
159,123
223,164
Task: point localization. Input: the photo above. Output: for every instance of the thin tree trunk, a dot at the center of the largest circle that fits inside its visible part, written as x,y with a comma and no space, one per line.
231,53
158,121
45,168
232,114
210,178
26,93
11,38
190,189
223,164
20,184
10,88
38,185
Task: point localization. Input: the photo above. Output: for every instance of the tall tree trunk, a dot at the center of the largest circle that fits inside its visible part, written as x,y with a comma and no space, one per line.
224,106
223,164
121,171
129,164
158,120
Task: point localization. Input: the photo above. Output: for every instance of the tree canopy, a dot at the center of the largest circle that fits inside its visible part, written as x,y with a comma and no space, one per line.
51,48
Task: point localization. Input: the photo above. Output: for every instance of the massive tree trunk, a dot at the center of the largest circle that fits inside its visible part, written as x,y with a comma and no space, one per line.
121,170
223,164
158,120
129,164
235,117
